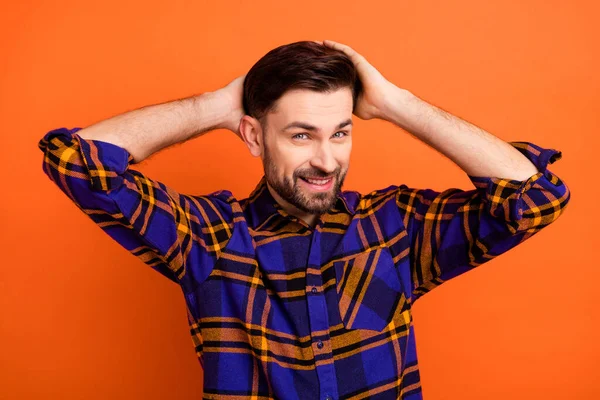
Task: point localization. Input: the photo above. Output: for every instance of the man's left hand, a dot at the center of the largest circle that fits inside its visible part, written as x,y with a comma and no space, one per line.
377,91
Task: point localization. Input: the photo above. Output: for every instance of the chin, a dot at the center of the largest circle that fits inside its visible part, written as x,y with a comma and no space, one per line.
320,208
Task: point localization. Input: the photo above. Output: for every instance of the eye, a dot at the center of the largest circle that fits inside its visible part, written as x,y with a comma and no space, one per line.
335,135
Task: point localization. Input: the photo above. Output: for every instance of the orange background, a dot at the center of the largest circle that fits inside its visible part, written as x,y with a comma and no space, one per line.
81,318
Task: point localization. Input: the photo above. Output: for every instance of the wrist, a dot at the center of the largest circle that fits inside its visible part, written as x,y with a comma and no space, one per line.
399,107
214,107
396,101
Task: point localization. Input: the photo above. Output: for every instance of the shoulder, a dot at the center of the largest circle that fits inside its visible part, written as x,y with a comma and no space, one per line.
214,207
364,201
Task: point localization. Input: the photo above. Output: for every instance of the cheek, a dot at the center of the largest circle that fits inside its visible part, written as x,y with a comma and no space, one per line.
343,157
295,160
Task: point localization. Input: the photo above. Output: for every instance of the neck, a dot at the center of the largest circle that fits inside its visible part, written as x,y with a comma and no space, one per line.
310,219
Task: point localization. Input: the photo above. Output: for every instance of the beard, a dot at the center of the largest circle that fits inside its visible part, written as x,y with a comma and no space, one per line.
293,193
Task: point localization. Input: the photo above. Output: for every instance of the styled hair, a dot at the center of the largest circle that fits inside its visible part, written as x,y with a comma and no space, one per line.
299,65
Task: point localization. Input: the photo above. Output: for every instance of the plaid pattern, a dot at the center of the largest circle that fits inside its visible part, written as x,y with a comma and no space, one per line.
280,310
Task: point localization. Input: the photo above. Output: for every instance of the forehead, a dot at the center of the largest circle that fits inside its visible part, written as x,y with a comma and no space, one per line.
320,108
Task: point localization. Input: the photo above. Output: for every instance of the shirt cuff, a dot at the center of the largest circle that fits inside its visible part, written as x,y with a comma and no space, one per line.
505,196
104,163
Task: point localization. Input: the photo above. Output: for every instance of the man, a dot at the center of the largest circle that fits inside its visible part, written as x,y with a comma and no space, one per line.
302,291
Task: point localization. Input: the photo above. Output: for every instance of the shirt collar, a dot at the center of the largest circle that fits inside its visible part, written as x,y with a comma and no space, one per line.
261,206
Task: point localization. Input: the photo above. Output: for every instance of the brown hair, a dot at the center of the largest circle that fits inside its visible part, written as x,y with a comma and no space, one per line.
299,65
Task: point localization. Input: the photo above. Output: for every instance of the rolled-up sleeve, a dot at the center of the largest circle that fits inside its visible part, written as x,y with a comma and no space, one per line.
529,204
453,231
178,235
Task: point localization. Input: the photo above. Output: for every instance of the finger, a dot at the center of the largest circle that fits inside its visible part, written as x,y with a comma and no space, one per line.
349,51
342,47
339,46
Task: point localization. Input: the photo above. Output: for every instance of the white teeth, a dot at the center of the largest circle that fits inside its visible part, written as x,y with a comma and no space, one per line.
318,182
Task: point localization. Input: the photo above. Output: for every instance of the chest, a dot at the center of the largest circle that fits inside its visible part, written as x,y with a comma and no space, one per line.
342,276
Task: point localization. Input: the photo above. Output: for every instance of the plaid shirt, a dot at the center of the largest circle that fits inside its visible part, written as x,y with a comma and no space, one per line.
278,309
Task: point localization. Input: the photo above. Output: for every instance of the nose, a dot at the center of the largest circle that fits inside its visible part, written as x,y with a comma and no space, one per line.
323,159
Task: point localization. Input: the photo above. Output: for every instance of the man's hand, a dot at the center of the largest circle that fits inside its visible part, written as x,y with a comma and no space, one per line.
377,91
475,151
231,95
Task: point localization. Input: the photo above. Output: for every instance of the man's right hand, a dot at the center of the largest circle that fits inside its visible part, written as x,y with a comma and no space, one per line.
232,96
149,129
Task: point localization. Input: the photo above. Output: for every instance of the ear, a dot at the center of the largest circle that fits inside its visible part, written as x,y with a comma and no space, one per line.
252,134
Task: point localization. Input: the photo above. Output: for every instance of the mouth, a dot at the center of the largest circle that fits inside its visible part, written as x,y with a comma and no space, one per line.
318,184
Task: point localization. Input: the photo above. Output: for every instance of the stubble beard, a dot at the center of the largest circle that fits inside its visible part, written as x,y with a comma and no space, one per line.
313,203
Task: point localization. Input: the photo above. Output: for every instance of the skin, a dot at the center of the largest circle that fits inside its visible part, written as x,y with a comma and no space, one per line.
474,150
149,129
288,155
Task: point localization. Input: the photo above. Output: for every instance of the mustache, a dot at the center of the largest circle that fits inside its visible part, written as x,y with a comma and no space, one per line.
315,173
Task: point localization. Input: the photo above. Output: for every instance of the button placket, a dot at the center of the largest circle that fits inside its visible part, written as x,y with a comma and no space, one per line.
319,320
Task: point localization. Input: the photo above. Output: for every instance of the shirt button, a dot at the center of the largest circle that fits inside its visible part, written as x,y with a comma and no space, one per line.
320,344
314,290
328,398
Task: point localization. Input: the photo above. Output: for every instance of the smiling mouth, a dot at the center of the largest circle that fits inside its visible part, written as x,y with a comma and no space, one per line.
317,181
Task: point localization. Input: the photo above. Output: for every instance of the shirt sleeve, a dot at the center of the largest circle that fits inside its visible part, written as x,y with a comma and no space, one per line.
453,231
180,236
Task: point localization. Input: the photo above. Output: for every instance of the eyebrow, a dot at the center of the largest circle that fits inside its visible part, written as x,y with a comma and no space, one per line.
309,127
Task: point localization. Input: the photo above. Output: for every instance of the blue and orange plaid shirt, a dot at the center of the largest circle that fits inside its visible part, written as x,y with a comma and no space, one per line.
280,310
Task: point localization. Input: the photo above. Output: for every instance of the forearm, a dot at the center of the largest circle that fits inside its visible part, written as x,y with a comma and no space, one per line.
476,151
149,129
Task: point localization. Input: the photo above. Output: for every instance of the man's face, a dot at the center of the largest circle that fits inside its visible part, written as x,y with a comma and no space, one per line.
307,147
